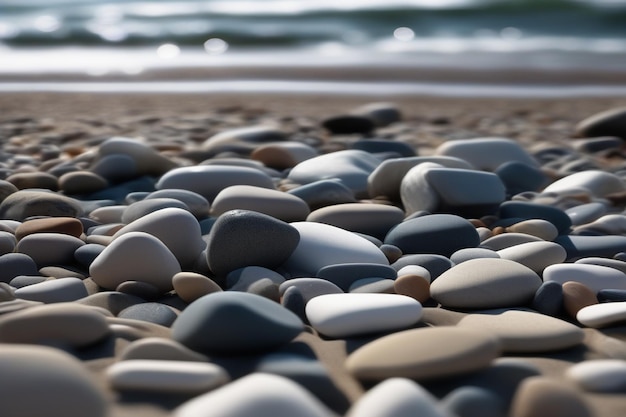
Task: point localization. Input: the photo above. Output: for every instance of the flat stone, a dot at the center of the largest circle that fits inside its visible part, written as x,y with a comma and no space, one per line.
241,238
380,146
434,264
606,123
345,274
542,396
451,190
486,154
67,324
585,246
162,349
542,229
140,289
250,135
586,213
235,323
609,296
54,291
57,383
108,214
357,217
485,283
151,312
430,235
600,375
519,177
196,204
162,376
397,397
347,124
310,287
424,353
348,315
535,255
115,167
255,394
465,254
65,225
135,256
186,244
508,240
468,401
82,182
147,160
602,315
324,193
596,277
609,224
283,206
596,260
25,180
372,285
190,285
527,210
49,248
209,180
597,183
381,113
141,208
352,167
386,179
549,299
26,280
23,204
283,155
243,278
524,331
322,245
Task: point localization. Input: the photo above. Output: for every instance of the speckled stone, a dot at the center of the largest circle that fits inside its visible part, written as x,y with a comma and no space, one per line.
23,204
485,283
525,331
430,235
42,381
283,206
241,238
542,396
423,354
235,323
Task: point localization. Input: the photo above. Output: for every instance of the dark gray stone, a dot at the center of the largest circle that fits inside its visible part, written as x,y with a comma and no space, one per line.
16,264
31,203
151,312
53,291
376,146
344,275
466,254
474,402
116,168
548,299
324,193
310,287
86,254
518,177
294,301
235,323
525,210
585,246
611,295
586,213
242,238
22,281
432,235
435,264
607,123
143,207
347,124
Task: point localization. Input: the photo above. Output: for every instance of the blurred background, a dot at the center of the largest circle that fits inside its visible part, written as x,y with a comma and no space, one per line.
517,40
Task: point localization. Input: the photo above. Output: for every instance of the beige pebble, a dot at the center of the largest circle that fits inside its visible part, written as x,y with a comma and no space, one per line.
576,296
414,286
190,286
540,396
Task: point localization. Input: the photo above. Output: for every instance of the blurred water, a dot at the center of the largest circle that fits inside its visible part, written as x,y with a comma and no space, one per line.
97,36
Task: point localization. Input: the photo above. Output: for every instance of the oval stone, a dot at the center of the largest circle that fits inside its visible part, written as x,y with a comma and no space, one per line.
541,396
235,323
49,248
190,285
600,375
535,255
424,353
54,291
602,315
31,203
65,225
485,283
596,277
347,315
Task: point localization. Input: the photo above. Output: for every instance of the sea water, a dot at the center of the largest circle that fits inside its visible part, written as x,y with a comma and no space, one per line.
130,37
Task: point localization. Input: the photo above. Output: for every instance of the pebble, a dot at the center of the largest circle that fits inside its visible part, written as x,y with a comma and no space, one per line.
576,296
23,204
414,286
209,180
44,381
135,256
115,168
190,286
397,397
508,240
256,394
15,264
605,296
542,229
392,252
434,264
600,375
108,214
25,180
235,323
324,193
280,205
251,135
542,396
381,113
151,312
65,324
163,376
525,331
348,124
586,213
112,301
283,155
430,235
241,238
526,210
470,401
82,182
602,315
140,289
65,225
147,160
348,315
549,299
597,183
519,177
381,146
160,348
310,287
49,248
141,208
596,277
357,217
372,285
186,244
7,243
585,246
535,255
465,254
486,154
352,167
423,354
322,245
195,203
54,291
345,274
243,278
87,253
606,123
485,283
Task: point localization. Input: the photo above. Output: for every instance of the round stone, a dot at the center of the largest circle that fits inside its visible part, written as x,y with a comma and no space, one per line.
549,299
542,229
235,323
147,160
526,210
324,193
597,183
43,180
470,401
424,353
16,264
347,315
485,283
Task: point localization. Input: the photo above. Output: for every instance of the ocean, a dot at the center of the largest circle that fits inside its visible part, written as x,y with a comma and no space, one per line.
127,38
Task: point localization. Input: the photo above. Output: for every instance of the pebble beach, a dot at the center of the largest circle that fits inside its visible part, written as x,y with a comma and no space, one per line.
232,255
